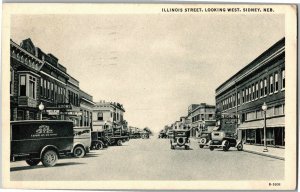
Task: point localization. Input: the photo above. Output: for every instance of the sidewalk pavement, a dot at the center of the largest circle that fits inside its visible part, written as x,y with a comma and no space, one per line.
277,153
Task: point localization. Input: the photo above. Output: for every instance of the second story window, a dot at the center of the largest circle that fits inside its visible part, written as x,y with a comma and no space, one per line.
276,82
22,85
238,98
261,88
253,92
243,94
266,87
271,85
256,88
100,116
283,79
11,81
32,85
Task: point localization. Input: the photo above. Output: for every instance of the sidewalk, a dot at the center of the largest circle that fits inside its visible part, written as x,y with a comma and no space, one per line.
277,153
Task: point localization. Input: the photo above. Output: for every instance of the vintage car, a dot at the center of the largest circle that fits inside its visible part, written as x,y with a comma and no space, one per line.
99,140
180,138
40,141
222,140
162,134
82,141
204,139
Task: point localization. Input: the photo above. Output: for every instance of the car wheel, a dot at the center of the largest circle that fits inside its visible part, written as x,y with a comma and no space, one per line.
33,162
211,148
203,141
239,147
226,146
119,142
49,158
79,152
201,146
100,146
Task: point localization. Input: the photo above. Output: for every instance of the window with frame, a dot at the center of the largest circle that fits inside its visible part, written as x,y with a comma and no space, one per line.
22,85
32,86
253,92
41,87
238,98
271,84
261,88
283,79
45,88
276,82
11,88
100,116
250,94
52,91
243,96
256,95
48,89
247,97
266,87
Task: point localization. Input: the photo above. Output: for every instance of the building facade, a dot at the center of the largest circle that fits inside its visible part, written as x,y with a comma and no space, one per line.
86,108
108,115
243,94
201,116
38,79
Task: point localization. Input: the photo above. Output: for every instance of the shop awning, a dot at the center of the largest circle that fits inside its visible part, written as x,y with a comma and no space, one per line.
273,122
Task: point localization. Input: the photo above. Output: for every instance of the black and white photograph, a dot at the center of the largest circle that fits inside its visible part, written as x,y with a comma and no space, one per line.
140,96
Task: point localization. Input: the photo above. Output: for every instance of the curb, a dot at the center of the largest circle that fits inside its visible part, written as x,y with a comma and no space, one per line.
263,154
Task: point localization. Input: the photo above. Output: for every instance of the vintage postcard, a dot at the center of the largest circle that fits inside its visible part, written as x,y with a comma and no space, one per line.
149,96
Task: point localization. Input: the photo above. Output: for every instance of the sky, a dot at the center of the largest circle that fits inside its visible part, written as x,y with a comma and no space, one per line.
155,65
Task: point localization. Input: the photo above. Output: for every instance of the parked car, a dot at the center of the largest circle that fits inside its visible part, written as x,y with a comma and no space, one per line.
222,140
99,140
162,134
82,141
180,138
204,139
40,141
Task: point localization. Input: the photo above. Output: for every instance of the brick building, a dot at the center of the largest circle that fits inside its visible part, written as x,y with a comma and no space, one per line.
243,94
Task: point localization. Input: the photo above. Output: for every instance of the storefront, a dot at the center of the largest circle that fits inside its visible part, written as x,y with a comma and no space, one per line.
252,132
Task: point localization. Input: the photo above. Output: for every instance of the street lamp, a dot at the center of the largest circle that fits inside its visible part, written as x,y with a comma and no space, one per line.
41,108
264,108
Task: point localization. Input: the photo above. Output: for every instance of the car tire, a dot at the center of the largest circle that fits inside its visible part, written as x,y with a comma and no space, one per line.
202,141
239,147
33,162
211,148
49,158
119,142
226,146
78,152
100,146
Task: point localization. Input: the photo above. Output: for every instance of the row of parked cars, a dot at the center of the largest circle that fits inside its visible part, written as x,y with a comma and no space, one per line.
223,136
46,141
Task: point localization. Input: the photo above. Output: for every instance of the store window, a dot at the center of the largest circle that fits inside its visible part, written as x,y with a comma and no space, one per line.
276,82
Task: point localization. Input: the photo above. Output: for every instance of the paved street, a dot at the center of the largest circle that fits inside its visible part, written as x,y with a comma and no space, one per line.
153,159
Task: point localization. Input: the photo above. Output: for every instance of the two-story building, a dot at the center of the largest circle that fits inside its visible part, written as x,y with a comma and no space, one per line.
86,108
108,115
243,94
201,118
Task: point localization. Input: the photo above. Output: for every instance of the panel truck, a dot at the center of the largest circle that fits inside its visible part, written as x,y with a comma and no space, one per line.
99,140
116,136
82,141
40,141
224,135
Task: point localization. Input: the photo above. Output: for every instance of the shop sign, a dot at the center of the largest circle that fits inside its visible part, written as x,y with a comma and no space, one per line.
64,105
73,113
52,112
